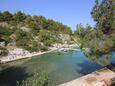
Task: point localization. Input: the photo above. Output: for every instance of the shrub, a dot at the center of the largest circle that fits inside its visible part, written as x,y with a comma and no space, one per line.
38,79
3,51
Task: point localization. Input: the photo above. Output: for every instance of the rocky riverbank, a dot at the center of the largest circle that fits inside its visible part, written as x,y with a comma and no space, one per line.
18,53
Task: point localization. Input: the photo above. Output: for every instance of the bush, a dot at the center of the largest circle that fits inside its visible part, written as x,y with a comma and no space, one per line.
3,51
38,79
6,31
44,48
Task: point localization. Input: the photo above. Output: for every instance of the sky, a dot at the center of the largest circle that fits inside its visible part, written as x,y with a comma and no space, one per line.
68,12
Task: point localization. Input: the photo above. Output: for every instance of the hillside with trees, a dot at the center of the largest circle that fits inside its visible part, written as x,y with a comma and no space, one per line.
32,33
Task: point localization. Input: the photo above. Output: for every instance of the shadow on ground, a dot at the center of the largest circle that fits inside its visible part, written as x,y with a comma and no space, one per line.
87,67
10,76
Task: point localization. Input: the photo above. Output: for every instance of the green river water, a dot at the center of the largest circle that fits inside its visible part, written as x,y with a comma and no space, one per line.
60,67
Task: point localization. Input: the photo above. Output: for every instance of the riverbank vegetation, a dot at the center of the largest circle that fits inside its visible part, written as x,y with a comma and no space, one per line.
99,40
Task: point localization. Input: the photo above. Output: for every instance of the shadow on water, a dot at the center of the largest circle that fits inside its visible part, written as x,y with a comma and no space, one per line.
10,76
87,67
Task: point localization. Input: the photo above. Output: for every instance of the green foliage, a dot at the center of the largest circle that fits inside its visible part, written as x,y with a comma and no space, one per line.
46,37
58,27
23,39
103,13
3,51
38,79
30,22
19,17
5,31
1,17
6,16
33,33
44,48
99,44
26,41
36,23
85,34
99,41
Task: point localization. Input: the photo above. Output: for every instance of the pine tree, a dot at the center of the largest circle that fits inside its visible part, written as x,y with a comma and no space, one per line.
101,41
104,15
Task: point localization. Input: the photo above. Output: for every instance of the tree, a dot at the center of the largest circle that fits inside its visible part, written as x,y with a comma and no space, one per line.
103,13
46,37
19,17
30,23
23,39
36,23
6,16
100,41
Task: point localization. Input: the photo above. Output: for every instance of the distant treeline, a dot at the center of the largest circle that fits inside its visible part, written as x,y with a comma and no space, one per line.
36,22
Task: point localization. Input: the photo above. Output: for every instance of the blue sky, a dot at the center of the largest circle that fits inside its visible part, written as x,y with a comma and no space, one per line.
69,12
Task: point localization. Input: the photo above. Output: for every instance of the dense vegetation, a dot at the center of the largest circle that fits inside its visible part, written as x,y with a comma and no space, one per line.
99,40
40,79
33,33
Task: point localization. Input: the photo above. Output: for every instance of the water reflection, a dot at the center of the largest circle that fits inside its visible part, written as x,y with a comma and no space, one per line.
103,59
87,67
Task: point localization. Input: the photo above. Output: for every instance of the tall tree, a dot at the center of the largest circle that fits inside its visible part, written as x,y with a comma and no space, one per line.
104,15
100,41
